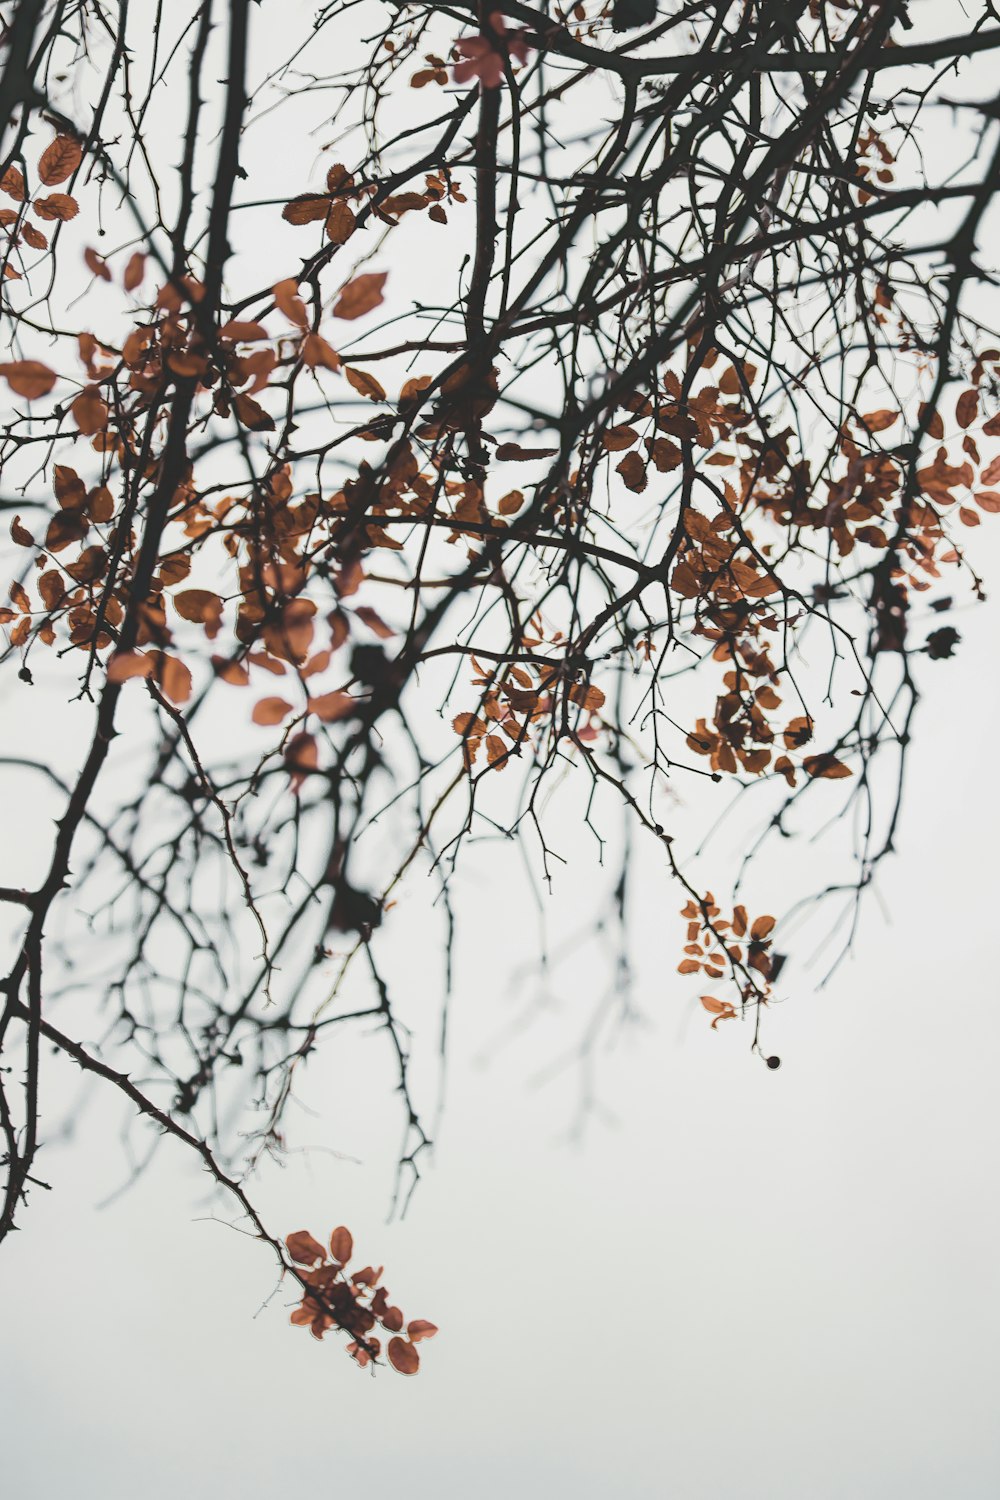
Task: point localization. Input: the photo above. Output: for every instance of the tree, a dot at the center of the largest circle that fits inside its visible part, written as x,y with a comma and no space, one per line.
462,395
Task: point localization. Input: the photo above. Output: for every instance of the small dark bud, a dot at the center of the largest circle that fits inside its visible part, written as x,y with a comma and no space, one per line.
773,1062
942,643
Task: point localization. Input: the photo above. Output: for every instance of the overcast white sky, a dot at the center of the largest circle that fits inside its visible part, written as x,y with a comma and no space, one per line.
739,1283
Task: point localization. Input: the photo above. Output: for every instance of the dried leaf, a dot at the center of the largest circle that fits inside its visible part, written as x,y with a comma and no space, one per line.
90,412
340,223
374,621
28,378
316,351
135,271
341,1245
403,1357
365,384
12,183
96,264
360,296
878,421
59,206
252,414
330,707
510,503
202,607
826,766
270,711
174,678
288,301
967,408
514,453
126,664
633,472
303,1249
617,438
307,208
59,160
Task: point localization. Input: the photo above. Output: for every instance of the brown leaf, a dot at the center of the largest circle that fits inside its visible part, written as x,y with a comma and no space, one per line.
513,452
241,332
510,503
420,1329
316,351
729,383
12,183
341,1245
252,414
365,384
413,389
233,672
96,264
374,621
934,424
403,1357
798,732
288,301
360,296
827,766
126,664
665,454
333,706
878,421
28,378
633,472
967,407
340,223
761,927
33,237
90,412
303,1249
617,438
174,678
271,711
496,752
307,208
56,206
202,607
135,271
59,160
468,725
722,1010
587,696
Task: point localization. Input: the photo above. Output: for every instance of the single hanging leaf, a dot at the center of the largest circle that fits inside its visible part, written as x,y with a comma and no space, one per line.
365,384
826,766
403,1357
303,1249
60,160
360,296
341,1245
28,378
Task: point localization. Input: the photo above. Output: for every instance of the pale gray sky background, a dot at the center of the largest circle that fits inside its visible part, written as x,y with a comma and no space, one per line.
738,1283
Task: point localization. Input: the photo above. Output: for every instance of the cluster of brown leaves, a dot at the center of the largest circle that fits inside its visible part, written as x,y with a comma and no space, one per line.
352,1301
716,944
